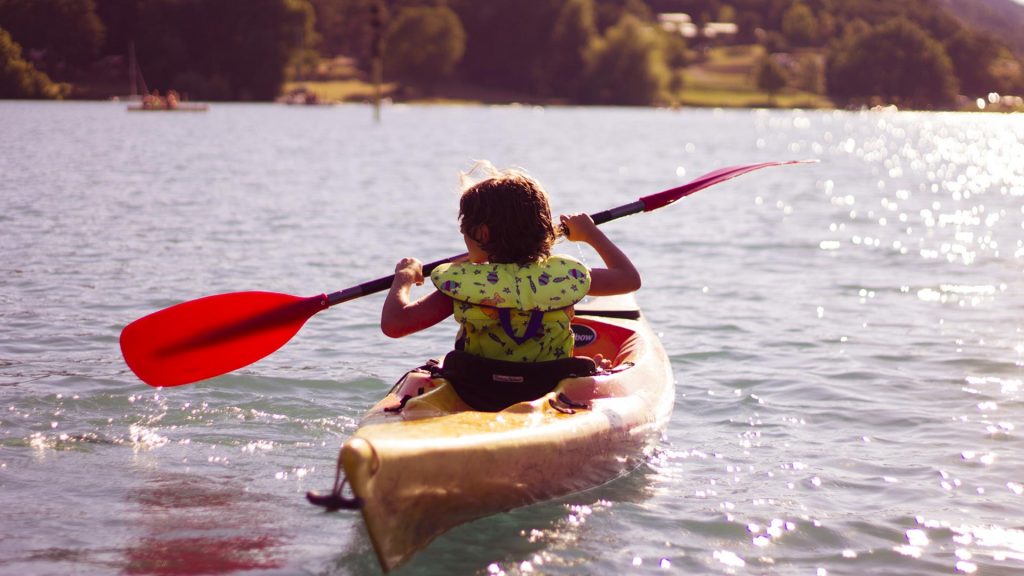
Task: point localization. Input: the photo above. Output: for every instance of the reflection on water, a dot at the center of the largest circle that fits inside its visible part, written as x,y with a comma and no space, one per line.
194,525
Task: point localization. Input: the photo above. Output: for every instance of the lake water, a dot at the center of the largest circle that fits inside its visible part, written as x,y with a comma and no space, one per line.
847,337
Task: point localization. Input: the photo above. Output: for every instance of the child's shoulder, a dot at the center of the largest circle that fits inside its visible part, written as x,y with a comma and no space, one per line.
554,263
564,260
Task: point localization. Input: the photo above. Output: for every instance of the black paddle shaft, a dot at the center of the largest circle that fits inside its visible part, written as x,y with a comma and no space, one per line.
381,284
384,283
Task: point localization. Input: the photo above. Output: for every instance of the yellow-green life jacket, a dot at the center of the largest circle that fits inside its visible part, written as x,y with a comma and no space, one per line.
515,312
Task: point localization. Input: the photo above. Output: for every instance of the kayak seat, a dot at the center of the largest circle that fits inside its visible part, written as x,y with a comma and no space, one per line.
488,385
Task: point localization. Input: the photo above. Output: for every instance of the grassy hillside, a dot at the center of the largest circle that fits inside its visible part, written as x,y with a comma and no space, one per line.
727,78
724,78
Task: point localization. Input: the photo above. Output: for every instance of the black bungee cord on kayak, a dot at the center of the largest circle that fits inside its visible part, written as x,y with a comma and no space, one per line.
566,405
336,500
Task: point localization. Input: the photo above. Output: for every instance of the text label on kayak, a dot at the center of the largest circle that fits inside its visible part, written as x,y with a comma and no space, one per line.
583,334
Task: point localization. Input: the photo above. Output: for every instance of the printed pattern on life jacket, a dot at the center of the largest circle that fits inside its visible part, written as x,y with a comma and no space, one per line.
549,288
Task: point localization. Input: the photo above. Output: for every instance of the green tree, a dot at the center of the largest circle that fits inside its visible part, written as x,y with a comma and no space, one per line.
748,22
771,77
424,45
826,26
571,46
330,26
69,31
799,25
929,15
212,50
343,26
775,42
809,75
629,66
1010,74
265,37
675,51
120,20
610,12
974,55
20,79
726,13
639,9
508,42
897,62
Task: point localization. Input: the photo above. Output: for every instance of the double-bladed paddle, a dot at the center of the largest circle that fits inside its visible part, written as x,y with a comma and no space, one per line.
214,335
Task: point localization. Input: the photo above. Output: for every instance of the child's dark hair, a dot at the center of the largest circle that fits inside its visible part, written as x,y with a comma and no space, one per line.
517,214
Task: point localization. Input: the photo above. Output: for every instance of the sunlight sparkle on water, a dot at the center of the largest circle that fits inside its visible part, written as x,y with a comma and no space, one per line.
143,438
729,558
948,220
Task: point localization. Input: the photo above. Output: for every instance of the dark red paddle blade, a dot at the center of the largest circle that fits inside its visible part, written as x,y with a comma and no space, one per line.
214,335
655,201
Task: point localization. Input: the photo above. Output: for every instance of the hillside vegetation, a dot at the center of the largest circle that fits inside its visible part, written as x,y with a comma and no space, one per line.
808,53
1004,18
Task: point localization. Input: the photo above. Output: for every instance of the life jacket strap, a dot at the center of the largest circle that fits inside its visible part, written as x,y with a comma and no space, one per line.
532,327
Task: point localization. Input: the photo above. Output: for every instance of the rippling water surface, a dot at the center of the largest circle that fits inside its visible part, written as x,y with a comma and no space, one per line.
846,336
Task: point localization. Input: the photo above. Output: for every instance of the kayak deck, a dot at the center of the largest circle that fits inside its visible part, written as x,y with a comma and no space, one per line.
435,463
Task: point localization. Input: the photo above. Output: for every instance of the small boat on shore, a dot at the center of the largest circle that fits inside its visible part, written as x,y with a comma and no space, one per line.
147,101
423,462
167,107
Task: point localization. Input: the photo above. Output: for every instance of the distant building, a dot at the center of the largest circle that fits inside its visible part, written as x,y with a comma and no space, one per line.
678,23
720,29
682,24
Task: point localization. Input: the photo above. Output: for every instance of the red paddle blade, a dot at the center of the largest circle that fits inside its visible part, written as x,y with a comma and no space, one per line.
655,201
214,335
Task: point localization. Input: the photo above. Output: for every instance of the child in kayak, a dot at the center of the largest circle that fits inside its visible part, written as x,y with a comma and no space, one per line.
512,297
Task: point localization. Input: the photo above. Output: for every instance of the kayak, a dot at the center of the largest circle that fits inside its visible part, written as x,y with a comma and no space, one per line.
422,462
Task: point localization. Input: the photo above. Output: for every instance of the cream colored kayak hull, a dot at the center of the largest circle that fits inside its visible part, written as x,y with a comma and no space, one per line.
437,464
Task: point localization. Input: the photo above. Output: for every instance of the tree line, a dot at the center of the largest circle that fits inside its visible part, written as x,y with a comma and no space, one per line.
912,53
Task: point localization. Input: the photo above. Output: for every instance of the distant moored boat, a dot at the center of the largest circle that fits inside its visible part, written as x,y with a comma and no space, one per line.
153,101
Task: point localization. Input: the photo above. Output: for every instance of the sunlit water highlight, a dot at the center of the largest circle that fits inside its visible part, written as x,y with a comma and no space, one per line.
846,336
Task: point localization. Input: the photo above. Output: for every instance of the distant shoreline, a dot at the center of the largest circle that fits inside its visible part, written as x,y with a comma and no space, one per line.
724,77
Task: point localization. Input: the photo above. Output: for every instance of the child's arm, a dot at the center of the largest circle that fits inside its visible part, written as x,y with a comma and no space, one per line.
620,276
400,317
